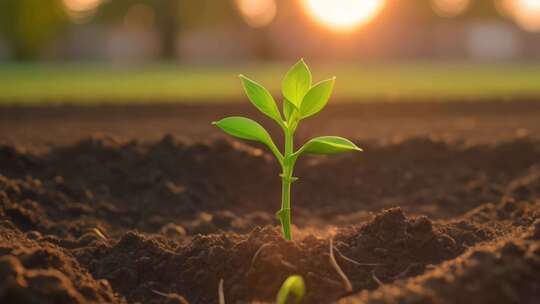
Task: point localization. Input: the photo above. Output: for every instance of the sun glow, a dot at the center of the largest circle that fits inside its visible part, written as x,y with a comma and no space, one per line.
343,15
526,13
257,13
81,10
450,8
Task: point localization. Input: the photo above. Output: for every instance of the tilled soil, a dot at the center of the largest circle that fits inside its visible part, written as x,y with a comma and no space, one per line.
415,220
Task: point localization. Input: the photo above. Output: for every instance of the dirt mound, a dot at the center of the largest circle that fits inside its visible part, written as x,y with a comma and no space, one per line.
33,270
505,271
149,185
389,247
253,265
112,222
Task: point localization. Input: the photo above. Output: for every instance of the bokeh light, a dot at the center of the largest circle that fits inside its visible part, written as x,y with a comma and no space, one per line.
526,13
81,10
343,15
450,8
257,13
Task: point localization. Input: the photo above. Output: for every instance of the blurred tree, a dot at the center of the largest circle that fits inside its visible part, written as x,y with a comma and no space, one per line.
174,16
30,25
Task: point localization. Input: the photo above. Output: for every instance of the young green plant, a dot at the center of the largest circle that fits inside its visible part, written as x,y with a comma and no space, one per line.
301,100
293,285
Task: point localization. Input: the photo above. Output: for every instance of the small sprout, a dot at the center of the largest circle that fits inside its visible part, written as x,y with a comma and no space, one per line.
292,285
301,100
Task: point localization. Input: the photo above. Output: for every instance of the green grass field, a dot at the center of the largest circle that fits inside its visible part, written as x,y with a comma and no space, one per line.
89,84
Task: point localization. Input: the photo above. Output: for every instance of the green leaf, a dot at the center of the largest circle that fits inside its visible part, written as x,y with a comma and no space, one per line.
288,109
317,97
328,145
293,285
246,128
261,98
296,83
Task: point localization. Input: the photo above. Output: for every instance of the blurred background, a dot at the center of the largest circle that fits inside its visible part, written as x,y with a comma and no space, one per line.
185,50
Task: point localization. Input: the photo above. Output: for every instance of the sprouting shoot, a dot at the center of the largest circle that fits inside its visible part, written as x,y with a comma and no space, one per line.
301,99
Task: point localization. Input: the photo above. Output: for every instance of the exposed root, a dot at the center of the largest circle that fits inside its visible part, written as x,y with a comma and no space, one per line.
402,274
221,295
288,265
379,282
344,278
172,296
328,281
163,294
100,234
256,255
355,262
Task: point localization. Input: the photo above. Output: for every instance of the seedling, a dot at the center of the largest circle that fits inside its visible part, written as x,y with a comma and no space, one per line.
293,285
301,100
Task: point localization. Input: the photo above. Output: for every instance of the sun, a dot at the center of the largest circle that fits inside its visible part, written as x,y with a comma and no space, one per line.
343,15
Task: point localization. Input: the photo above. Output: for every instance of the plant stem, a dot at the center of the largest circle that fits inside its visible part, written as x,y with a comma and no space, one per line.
284,214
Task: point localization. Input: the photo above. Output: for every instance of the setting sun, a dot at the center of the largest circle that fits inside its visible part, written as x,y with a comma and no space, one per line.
343,15
526,13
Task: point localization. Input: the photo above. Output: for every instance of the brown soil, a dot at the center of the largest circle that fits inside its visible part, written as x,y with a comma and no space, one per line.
430,213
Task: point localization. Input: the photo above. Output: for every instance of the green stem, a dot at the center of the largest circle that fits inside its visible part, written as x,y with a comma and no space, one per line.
284,214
